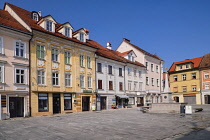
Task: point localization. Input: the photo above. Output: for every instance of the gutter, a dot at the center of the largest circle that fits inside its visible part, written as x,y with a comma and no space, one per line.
28,33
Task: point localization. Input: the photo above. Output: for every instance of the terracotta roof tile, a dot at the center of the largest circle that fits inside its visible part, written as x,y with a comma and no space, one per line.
195,61
26,16
7,20
111,54
143,51
125,53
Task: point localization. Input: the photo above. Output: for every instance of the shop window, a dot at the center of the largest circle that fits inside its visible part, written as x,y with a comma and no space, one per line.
43,102
131,101
67,102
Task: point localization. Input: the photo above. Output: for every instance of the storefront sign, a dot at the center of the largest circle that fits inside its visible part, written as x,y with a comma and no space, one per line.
87,91
113,99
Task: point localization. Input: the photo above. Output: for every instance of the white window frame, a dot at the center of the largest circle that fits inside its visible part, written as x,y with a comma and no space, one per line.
89,62
206,75
152,67
1,45
67,31
146,64
194,74
82,37
25,75
89,82
206,86
24,48
42,75
184,77
56,55
82,60
56,77
2,73
68,56
82,81
38,50
49,25
129,86
147,80
35,16
157,69
68,80
152,80
175,77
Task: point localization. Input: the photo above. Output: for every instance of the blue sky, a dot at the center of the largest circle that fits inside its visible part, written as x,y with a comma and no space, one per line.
175,30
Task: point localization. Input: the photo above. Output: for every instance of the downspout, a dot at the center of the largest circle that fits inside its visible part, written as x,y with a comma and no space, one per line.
200,86
96,89
30,73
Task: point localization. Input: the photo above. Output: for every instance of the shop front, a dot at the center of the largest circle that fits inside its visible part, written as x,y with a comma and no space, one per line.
122,101
105,101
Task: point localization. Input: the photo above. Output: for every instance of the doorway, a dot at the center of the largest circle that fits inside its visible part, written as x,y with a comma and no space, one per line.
85,103
56,103
16,106
140,101
207,99
103,103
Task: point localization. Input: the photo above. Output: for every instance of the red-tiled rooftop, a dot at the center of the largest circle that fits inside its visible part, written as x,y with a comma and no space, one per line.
7,20
125,53
143,51
26,16
195,61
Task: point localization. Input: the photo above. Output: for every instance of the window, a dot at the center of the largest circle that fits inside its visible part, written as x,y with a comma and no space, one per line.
88,62
41,77
129,86
184,89
206,75
147,81
135,72
81,37
132,58
89,82
1,45
140,86
1,74
55,79
67,58
146,65
82,60
206,86
68,80
67,102
55,55
49,25
129,57
110,85
67,31
99,68
175,89
187,66
40,51
20,76
152,67
157,82
184,77
131,100
110,69
43,102
82,81
152,81
193,88
129,71
139,74
157,69
35,16
193,75
175,78
134,86
120,71
121,86
180,67
19,49
99,84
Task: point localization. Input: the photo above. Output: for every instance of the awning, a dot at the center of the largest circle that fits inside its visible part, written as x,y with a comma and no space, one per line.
122,96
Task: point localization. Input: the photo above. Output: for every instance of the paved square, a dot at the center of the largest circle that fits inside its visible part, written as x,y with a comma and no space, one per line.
120,124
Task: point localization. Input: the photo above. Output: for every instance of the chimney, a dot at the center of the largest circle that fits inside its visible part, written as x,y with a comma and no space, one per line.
108,45
40,13
125,39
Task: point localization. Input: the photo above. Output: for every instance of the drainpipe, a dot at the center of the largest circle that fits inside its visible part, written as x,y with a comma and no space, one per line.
200,78
30,73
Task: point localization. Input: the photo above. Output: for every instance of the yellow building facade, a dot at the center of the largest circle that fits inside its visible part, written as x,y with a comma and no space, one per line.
62,75
185,81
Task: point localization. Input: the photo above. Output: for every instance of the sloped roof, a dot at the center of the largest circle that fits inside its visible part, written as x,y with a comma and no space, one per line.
26,16
205,61
111,54
125,53
195,61
143,51
7,20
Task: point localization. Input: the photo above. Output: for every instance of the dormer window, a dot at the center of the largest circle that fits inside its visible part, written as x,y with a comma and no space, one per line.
180,67
49,25
81,37
35,16
132,58
67,31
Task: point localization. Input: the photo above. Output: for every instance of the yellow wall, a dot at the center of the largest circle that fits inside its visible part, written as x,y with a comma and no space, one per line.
189,82
75,70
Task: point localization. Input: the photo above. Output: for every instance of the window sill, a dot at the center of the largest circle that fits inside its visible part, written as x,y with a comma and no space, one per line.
100,89
56,86
111,74
42,85
90,88
120,76
20,84
99,72
44,111
2,83
42,59
67,64
111,89
90,68
82,66
18,57
55,62
68,86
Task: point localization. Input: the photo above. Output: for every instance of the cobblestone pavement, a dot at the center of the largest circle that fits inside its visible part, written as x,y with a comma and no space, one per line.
120,124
